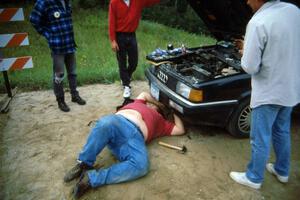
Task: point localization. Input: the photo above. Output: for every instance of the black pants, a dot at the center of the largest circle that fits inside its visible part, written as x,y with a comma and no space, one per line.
127,50
59,63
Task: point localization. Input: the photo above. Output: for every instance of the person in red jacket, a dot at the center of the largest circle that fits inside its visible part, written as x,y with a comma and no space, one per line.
124,17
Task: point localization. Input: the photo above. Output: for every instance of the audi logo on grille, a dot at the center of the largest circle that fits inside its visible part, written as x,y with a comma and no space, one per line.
162,76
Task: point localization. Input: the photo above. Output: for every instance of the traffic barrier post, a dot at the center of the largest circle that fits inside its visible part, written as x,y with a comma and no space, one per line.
12,40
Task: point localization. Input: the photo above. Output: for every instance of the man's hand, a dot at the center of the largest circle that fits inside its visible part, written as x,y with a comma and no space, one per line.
239,43
114,46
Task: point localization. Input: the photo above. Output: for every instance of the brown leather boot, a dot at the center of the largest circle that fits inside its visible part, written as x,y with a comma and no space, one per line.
62,105
82,186
77,99
76,171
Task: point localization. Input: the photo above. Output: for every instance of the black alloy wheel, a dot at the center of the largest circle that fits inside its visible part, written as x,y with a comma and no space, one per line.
240,121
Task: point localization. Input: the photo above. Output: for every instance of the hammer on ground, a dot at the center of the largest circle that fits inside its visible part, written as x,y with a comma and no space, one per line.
182,149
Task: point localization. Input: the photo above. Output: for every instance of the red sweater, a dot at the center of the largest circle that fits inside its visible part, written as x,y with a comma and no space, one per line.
157,126
126,19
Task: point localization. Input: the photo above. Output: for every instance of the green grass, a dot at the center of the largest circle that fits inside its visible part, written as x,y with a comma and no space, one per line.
96,63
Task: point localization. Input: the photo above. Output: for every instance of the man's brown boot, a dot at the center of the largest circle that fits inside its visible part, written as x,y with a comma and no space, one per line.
82,186
76,171
77,99
62,105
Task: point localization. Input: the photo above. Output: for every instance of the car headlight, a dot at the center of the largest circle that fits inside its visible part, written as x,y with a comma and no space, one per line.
189,93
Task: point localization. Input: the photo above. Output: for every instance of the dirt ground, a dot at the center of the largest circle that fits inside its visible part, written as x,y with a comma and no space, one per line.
39,144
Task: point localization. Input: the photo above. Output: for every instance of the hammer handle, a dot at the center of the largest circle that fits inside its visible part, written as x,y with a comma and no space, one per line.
169,146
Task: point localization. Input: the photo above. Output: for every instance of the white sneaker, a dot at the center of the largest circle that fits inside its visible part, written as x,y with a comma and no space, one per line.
240,177
127,92
270,168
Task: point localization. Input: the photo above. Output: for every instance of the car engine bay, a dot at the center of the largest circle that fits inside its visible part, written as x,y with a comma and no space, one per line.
197,65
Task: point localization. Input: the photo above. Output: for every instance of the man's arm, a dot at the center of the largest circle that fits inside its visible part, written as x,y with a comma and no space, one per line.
36,18
179,127
112,27
148,98
254,45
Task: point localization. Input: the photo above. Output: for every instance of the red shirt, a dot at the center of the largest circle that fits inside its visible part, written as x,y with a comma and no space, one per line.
157,126
123,18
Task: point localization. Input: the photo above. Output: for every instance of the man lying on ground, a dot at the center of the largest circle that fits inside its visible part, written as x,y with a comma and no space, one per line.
125,133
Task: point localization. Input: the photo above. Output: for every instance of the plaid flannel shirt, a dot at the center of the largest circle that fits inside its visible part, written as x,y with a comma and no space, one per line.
54,21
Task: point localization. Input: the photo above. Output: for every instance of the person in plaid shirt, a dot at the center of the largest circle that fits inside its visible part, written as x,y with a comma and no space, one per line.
52,19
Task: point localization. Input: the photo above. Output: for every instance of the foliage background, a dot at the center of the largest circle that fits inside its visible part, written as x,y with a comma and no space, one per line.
96,63
174,13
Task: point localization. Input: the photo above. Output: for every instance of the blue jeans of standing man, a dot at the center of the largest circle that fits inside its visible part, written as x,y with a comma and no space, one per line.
125,141
269,123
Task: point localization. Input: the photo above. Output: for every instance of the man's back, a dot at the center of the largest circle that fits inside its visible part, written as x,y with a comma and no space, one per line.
276,81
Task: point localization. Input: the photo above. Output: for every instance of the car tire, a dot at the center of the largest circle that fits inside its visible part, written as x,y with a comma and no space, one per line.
240,120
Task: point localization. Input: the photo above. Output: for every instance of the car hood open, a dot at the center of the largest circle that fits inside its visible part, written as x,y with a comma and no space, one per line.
225,19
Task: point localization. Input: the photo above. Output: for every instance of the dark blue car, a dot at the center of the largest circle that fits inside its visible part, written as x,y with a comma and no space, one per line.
207,85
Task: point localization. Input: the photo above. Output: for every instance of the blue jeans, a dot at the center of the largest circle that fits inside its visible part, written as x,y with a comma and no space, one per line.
127,144
269,123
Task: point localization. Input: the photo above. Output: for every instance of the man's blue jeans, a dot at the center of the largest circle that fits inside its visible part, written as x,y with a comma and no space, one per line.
125,141
269,123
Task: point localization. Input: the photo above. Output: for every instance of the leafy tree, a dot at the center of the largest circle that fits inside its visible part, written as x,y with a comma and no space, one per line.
181,6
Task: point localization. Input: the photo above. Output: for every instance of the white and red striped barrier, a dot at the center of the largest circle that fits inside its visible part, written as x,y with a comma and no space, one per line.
19,63
14,40
11,14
